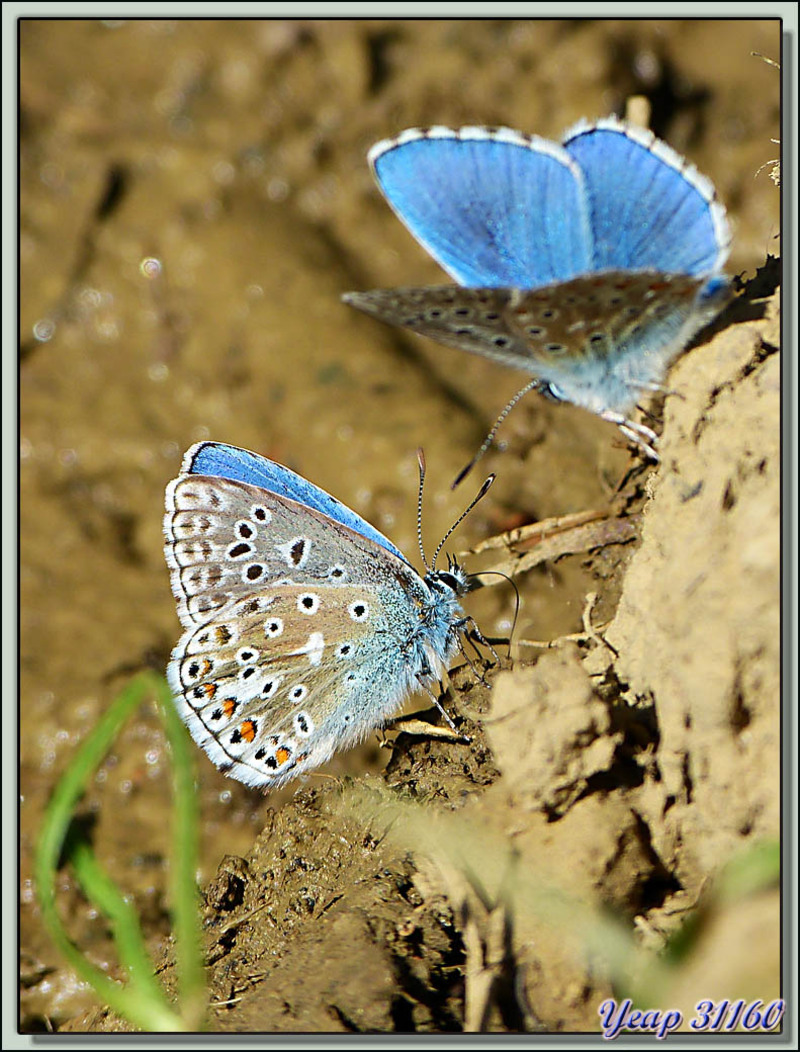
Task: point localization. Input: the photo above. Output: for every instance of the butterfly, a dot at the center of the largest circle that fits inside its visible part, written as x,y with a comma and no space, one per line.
589,264
305,627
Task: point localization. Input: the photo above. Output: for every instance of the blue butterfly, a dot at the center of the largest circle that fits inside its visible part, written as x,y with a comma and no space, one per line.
305,628
589,264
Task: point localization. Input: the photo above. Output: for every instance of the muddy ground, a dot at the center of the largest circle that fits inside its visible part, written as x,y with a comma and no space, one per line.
194,200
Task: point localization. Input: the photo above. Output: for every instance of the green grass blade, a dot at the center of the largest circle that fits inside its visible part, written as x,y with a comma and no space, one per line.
103,893
183,870
134,1001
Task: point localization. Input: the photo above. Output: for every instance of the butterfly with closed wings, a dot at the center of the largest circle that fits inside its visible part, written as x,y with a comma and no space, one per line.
305,627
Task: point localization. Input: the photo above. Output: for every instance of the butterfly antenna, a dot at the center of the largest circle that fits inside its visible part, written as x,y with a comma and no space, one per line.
479,496
421,461
494,429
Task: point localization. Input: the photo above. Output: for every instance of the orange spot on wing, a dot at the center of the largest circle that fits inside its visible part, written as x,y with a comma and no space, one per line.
229,706
282,755
248,730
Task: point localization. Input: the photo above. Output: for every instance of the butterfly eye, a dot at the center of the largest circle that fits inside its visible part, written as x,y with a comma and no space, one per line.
359,611
261,514
223,634
198,668
295,551
248,730
283,754
552,393
205,692
296,694
450,581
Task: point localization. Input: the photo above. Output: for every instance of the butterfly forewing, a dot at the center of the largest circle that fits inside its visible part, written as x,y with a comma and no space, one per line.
240,465
492,206
227,539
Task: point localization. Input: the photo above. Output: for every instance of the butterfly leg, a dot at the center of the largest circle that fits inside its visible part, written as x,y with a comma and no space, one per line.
639,434
646,385
479,676
423,676
476,632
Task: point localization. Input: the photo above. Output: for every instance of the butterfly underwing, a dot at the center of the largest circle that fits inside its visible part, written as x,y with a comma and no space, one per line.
304,627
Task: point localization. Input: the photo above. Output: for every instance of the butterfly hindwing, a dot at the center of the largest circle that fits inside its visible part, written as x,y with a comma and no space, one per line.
276,682
598,339
471,319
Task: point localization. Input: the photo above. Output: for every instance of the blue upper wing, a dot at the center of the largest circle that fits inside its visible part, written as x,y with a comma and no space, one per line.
230,462
649,209
493,207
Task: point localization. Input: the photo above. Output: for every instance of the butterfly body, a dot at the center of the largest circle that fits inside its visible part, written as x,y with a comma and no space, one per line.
590,263
305,628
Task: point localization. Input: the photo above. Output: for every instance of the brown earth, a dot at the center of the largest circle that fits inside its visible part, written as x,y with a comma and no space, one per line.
605,778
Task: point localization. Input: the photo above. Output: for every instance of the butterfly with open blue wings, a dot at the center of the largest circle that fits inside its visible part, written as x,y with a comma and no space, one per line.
589,264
